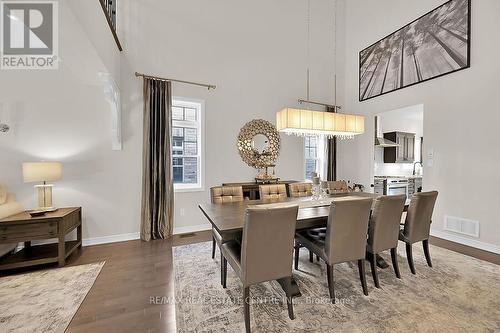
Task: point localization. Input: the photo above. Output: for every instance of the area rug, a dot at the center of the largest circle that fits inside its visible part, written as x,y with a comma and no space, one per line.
458,294
44,301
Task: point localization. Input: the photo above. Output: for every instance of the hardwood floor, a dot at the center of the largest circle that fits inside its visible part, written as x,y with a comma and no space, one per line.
467,250
134,271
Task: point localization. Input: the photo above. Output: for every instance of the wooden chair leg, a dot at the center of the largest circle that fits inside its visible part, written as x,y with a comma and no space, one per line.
425,243
329,274
223,267
213,247
289,301
246,308
362,277
409,256
311,256
373,266
395,265
317,258
296,258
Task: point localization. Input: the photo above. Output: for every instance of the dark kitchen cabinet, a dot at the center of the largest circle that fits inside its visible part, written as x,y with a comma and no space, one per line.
405,152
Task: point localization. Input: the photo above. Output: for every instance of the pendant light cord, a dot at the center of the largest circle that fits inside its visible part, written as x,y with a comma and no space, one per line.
308,48
335,55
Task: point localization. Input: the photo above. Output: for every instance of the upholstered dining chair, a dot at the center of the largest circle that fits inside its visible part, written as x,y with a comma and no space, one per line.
265,253
418,224
345,238
223,195
272,191
337,186
383,231
300,190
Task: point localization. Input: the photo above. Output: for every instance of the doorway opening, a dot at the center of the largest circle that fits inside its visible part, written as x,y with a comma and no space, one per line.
399,139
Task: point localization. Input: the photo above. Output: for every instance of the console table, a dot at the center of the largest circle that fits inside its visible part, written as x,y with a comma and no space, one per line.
24,228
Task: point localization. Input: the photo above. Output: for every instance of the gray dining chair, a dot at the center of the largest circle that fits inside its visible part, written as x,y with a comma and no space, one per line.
383,231
345,238
418,224
265,253
223,195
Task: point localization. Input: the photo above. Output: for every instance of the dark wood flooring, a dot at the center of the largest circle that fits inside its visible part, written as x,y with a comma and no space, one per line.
135,271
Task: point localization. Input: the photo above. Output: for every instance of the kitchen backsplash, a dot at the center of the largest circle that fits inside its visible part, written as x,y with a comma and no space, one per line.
391,169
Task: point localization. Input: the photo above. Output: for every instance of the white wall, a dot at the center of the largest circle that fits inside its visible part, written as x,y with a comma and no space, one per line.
255,52
461,112
409,120
63,115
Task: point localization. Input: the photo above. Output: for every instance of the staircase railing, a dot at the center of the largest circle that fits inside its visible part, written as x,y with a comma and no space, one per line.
109,9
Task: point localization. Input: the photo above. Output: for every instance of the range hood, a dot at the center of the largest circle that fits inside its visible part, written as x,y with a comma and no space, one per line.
380,141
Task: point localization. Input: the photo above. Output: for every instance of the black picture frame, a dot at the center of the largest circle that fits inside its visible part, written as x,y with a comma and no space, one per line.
364,86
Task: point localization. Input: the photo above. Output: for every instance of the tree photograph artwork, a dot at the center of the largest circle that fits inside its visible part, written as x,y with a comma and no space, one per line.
433,45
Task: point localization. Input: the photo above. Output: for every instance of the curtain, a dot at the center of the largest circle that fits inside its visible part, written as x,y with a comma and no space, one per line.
331,154
157,184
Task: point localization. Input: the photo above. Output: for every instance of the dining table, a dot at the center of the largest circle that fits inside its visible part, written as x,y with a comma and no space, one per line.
229,218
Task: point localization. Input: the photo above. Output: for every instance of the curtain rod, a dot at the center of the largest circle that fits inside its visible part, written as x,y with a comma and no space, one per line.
208,86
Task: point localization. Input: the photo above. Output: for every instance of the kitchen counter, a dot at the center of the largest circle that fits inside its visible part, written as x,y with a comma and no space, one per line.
406,177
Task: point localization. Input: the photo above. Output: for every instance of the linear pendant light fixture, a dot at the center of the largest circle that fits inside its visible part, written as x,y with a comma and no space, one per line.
303,122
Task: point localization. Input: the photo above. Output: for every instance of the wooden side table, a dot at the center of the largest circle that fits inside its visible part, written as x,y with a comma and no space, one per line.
24,228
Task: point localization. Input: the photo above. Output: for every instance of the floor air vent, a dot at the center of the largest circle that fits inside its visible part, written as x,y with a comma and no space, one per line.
461,226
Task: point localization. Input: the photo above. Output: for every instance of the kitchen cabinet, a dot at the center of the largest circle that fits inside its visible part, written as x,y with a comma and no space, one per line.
405,152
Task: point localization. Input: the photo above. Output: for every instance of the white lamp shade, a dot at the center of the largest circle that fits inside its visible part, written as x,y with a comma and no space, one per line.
308,122
42,171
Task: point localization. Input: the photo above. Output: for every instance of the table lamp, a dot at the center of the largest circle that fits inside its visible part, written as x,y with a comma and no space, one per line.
43,172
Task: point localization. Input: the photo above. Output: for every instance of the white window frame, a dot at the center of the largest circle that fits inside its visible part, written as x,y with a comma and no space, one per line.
321,157
199,105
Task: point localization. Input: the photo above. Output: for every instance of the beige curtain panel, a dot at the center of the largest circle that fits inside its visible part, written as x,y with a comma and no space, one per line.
157,184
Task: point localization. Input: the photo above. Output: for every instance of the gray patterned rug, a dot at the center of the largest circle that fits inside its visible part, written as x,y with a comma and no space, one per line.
44,301
459,294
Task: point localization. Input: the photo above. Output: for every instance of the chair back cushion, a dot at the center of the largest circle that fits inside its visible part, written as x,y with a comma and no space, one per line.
383,230
337,186
226,194
419,216
300,190
273,191
267,244
347,229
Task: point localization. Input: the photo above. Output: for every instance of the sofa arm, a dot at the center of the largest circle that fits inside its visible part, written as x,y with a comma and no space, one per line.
11,207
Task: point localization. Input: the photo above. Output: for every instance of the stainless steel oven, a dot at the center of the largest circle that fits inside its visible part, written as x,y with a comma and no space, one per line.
395,186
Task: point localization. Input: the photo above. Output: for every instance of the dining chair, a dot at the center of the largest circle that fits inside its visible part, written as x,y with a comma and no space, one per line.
418,224
337,186
383,231
223,195
272,191
298,190
345,238
265,252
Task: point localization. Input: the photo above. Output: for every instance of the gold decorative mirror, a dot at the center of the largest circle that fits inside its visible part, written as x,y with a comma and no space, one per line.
259,143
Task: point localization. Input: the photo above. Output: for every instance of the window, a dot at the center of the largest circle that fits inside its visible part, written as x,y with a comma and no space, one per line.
187,144
314,156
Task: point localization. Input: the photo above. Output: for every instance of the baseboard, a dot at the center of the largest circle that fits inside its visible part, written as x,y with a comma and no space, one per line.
111,239
466,241
191,228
